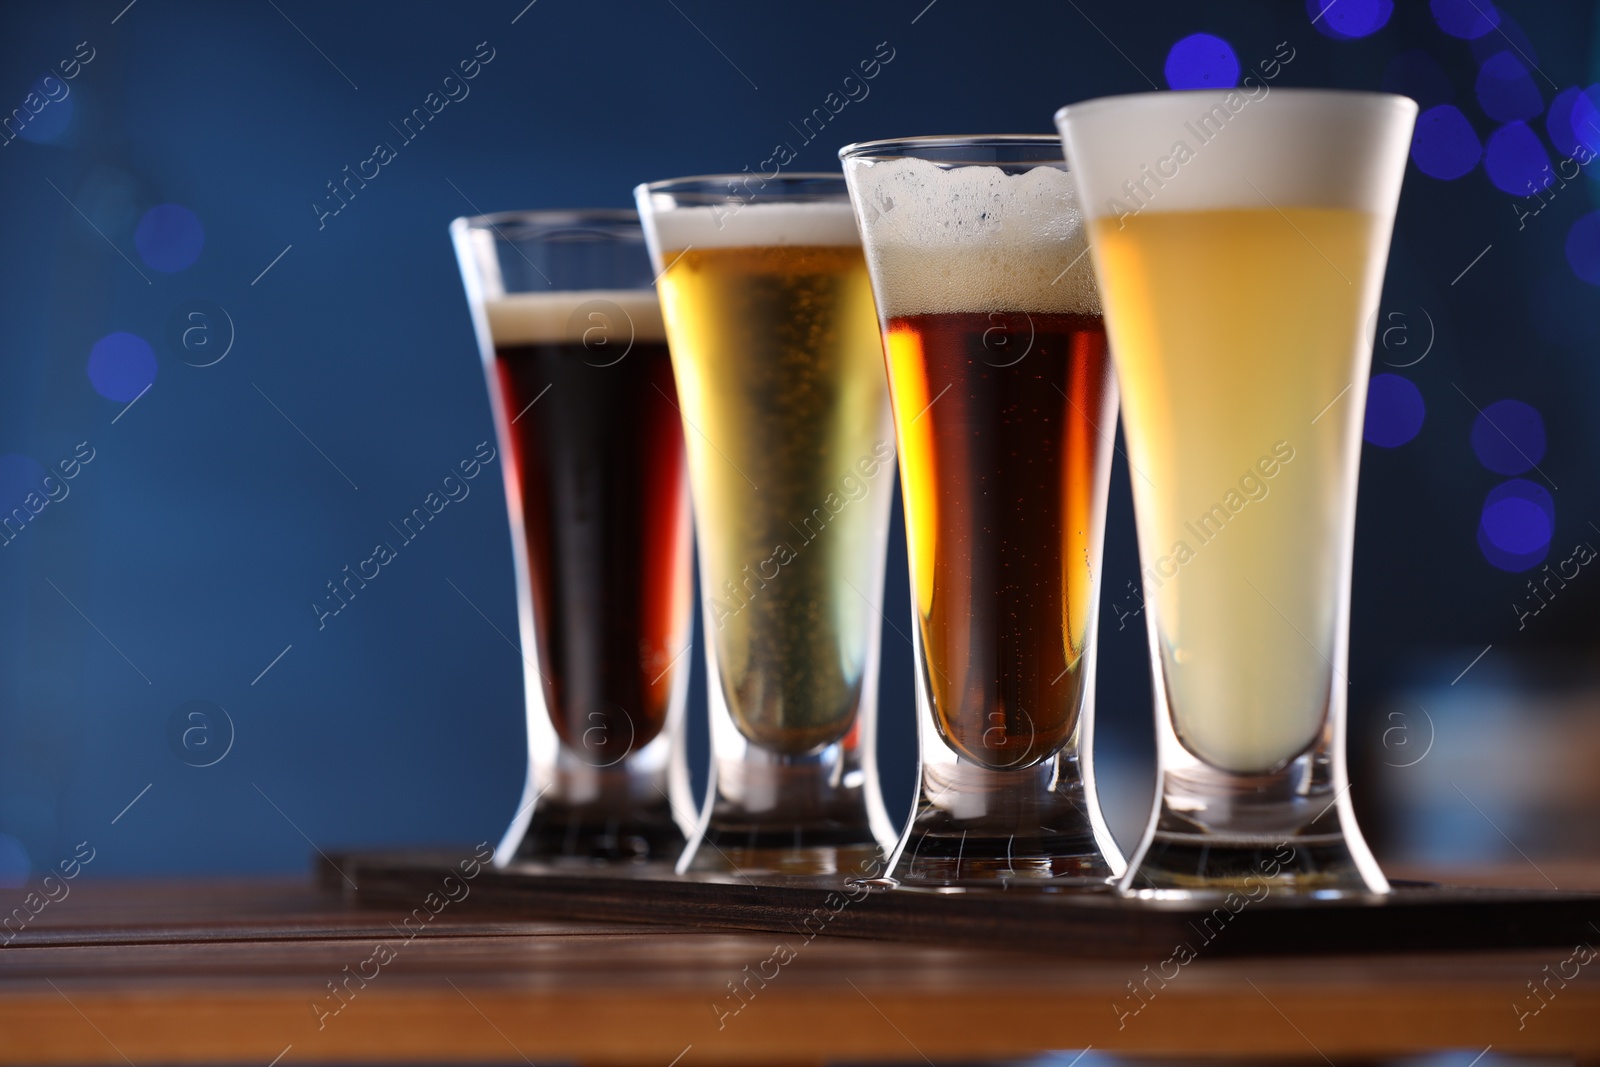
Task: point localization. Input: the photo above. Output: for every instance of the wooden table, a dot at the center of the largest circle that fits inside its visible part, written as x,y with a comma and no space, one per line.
241,972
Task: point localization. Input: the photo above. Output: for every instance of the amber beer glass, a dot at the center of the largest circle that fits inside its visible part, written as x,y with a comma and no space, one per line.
1005,406
1240,241
585,410
791,464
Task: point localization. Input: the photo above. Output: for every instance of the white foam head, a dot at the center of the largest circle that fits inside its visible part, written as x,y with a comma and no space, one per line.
1239,148
670,228
570,317
971,238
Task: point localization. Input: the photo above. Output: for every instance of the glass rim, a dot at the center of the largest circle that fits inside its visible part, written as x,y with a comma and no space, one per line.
1370,98
691,182
551,218
897,147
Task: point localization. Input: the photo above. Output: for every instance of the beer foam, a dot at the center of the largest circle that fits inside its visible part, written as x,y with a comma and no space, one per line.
564,317
973,238
757,225
1164,151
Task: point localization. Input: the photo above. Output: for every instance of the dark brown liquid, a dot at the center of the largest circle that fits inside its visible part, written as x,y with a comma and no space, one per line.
1005,424
597,467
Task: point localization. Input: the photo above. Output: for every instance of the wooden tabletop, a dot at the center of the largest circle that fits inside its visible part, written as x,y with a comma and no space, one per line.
243,972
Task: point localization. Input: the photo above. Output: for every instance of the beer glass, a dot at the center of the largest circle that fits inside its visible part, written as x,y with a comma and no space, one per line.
1005,405
1240,241
585,412
791,466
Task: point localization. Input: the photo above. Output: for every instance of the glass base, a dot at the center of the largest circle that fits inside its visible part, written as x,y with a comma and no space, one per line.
584,816
853,861
1219,833
558,832
976,826
806,815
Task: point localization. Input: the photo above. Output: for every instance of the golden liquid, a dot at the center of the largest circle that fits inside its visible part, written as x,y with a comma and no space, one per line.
1231,332
785,403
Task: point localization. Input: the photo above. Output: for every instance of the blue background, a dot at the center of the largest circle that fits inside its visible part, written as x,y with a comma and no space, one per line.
217,505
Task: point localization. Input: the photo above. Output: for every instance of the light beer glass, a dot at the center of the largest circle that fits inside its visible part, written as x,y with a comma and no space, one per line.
591,446
1006,405
1240,242
791,466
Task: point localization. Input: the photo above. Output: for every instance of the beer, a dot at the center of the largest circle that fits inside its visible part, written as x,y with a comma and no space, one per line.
781,381
1001,475
1005,404
1240,275
596,473
1222,382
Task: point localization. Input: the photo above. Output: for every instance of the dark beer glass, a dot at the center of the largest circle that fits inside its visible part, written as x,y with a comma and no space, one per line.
585,410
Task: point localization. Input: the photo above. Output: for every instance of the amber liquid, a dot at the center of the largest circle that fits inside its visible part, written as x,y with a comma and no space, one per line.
1005,426
598,464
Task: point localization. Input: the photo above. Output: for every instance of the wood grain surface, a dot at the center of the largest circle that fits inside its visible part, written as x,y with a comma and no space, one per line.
242,972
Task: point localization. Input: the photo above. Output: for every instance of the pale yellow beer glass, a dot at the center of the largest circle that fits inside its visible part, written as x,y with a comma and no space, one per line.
1240,243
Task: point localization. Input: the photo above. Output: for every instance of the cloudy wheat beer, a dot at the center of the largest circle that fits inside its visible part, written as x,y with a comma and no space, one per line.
1005,405
593,459
1239,272
791,457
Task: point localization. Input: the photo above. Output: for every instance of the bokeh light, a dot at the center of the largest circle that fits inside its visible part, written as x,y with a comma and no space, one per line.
1506,35
169,238
1505,89
121,366
1583,122
1508,437
19,476
1467,19
1518,520
55,118
1394,411
1583,247
1516,161
14,863
1416,74
1348,19
1445,145
1202,61
1558,121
